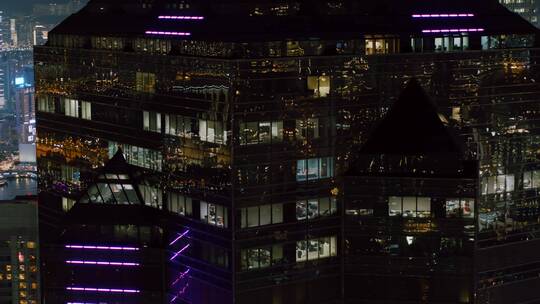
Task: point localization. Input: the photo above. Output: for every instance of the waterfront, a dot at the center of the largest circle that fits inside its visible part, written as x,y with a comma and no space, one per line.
18,186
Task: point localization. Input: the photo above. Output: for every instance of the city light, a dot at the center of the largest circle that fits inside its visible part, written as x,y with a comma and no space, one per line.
109,290
442,15
167,33
118,248
102,263
179,237
179,252
182,275
454,30
182,17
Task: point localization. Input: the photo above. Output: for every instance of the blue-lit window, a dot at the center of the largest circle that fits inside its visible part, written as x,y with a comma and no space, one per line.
138,156
315,249
213,214
315,207
314,168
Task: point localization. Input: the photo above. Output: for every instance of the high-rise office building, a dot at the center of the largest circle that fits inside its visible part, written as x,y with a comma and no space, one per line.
528,9
25,116
19,252
231,131
2,76
13,32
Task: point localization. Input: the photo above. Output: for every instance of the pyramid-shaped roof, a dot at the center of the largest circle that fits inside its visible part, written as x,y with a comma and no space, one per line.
115,184
411,127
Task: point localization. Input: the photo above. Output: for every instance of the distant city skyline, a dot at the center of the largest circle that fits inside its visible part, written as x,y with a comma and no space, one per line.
24,6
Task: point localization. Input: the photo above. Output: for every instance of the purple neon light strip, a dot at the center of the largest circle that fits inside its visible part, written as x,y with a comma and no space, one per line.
167,33
102,247
182,17
442,15
181,277
454,30
102,263
179,252
179,237
111,290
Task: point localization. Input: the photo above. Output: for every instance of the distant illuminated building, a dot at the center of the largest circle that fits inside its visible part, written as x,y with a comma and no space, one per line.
528,9
200,152
2,74
13,32
39,34
25,114
19,253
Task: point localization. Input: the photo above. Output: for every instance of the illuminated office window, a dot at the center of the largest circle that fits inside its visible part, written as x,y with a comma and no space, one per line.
180,204
255,258
71,107
497,184
182,126
314,168
67,203
320,85
212,131
261,132
452,43
86,110
152,121
531,179
409,206
381,45
307,128
315,207
463,207
152,196
138,156
213,214
45,104
145,82
315,249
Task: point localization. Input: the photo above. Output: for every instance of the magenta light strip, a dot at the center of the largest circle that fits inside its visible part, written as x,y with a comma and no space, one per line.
102,247
442,15
111,290
167,33
182,17
454,30
102,263
179,252
181,276
179,237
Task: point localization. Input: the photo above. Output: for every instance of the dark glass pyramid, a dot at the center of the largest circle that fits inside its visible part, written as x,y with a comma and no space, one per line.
411,127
